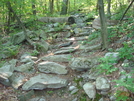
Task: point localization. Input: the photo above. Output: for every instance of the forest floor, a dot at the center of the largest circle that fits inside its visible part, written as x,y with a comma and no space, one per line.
62,94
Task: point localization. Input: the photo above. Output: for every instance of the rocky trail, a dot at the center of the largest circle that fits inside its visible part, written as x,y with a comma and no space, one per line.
63,71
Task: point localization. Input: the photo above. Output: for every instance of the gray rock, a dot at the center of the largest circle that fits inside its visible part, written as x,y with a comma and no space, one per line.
25,67
77,30
102,99
16,80
72,88
77,38
113,98
26,96
65,51
43,81
93,75
102,84
18,38
127,65
81,63
6,71
43,46
90,48
27,58
52,67
57,58
74,91
90,90
114,55
76,99
38,99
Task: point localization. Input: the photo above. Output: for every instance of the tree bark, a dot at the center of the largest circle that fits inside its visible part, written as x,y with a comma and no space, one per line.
108,8
126,10
64,7
104,33
51,6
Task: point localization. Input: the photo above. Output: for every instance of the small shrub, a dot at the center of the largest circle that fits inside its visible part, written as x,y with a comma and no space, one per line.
106,65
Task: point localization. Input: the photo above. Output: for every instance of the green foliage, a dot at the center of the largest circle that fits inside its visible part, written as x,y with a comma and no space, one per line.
121,96
127,82
126,52
2,63
50,92
91,37
77,81
107,65
9,50
33,53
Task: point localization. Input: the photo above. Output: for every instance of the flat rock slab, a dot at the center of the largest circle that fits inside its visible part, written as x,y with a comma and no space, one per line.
77,38
43,81
25,67
65,51
58,58
52,67
81,63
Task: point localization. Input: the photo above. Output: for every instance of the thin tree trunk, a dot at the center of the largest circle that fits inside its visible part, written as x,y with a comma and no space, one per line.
104,33
64,7
126,10
17,18
108,8
51,5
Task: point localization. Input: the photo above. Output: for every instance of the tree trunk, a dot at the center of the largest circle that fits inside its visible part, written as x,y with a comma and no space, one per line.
51,5
17,18
108,8
64,7
126,10
104,33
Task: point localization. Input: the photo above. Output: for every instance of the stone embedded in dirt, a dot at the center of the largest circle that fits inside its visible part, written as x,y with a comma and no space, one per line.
43,81
6,71
65,51
18,38
27,58
28,67
38,99
65,44
90,48
90,90
72,88
16,80
114,55
26,96
58,58
77,38
127,65
52,67
94,75
81,63
42,45
74,91
102,84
